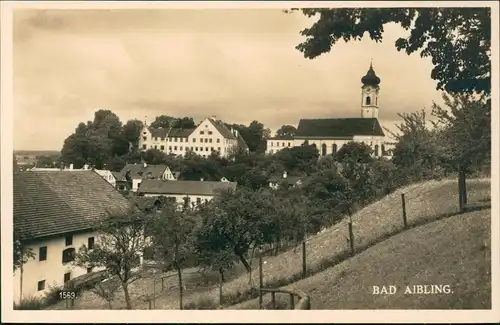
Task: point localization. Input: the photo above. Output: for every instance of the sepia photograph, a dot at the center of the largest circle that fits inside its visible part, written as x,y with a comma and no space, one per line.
249,156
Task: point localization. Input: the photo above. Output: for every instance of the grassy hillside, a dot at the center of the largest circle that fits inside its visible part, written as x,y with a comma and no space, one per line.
454,251
425,202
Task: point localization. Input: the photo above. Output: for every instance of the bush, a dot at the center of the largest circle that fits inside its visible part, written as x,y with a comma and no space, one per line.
30,303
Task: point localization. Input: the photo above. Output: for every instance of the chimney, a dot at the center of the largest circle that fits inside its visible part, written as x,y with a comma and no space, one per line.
284,174
70,166
235,132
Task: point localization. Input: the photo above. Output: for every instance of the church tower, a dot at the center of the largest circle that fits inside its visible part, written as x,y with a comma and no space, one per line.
369,94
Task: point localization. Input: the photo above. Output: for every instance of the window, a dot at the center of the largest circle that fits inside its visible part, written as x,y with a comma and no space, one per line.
69,240
156,147
195,148
180,148
218,140
198,201
289,144
334,148
383,150
194,139
186,202
156,138
144,132
218,149
175,139
368,100
283,144
41,285
210,140
209,132
170,148
271,143
89,269
144,146
175,147
67,277
162,148
90,243
144,138
211,148
206,148
376,150
42,253
202,132
323,149
162,138
68,255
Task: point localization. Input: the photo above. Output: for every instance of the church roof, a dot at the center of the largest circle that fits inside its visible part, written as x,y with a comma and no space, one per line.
339,127
370,78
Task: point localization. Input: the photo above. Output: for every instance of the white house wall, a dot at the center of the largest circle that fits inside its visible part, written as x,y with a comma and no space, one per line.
202,141
51,270
179,198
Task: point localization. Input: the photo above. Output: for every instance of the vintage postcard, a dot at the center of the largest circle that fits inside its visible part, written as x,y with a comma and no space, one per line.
247,159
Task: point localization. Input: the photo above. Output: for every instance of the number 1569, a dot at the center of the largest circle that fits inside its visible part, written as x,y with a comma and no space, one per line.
67,295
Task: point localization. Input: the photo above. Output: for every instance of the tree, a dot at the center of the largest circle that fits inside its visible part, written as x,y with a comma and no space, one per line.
21,253
132,130
286,130
301,159
354,152
419,151
465,124
163,121
254,135
171,236
231,222
184,123
45,162
457,39
118,248
154,156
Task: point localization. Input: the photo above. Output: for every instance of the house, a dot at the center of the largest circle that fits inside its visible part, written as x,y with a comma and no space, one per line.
294,181
211,135
134,174
184,192
107,175
54,213
330,134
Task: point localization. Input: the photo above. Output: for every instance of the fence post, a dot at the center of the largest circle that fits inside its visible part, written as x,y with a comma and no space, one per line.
292,301
162,284
273,297
351,236
154,293
403,203
220,289
260,280
149,303
461,199
304,260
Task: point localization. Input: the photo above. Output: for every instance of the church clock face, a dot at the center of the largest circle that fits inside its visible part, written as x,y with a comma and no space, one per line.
369,90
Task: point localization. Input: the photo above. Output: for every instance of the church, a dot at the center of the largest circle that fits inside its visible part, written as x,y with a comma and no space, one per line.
330,134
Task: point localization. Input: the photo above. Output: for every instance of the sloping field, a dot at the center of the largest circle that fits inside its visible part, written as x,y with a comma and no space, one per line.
453,251
425,202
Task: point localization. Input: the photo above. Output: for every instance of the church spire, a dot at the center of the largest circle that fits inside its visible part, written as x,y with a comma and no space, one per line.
369,93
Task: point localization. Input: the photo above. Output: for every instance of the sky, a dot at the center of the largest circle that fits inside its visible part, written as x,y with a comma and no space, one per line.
237,64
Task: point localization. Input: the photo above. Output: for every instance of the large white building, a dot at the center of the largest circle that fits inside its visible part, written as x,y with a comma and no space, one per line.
330,134
209,136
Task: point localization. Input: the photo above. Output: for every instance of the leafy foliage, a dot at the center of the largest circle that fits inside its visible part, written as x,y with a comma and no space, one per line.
121,241
457,39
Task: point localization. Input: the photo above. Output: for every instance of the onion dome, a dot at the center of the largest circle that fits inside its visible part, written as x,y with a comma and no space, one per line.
370,79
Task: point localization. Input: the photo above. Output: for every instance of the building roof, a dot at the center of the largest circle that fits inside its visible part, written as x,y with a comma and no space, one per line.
180,133
153,186
58,202
119,176
138,171
158,132
339,127
222,128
